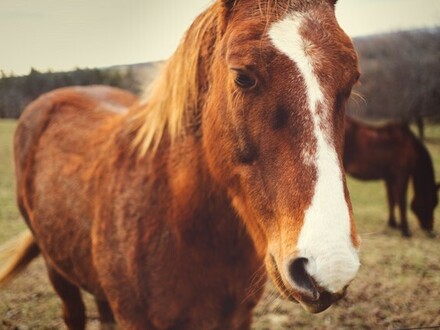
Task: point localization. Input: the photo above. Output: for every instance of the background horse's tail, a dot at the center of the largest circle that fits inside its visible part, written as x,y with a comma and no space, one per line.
16,254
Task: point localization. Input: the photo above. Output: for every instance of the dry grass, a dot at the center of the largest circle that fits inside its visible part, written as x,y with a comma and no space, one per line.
398,285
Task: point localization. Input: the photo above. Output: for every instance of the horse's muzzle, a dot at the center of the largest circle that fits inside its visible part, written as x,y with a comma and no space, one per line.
303,289
313,298
324,301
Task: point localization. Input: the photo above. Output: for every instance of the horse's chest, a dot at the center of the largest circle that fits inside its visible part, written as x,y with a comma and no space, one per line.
220,312
216,296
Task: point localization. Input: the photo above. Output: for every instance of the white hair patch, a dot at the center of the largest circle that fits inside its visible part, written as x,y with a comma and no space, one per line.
324,238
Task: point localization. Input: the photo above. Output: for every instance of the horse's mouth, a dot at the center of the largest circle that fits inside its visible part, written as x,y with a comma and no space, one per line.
324,300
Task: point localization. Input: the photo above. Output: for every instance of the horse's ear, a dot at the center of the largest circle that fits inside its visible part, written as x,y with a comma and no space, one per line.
228,4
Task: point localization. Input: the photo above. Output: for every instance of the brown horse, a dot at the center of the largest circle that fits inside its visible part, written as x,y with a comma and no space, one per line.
393,153
169,212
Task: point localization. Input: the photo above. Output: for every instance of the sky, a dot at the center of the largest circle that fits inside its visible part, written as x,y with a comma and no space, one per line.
64,35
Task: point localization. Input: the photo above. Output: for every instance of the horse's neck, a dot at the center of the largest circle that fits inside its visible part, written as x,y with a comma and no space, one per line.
197,210
200,205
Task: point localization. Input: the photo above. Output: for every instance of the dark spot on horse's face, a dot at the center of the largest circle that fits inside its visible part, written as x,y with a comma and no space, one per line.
280,118
247,152
229,306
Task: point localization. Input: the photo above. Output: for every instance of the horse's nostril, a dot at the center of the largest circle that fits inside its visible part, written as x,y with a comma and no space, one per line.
302,279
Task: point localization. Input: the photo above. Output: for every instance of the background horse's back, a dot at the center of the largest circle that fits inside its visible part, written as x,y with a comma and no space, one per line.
392,153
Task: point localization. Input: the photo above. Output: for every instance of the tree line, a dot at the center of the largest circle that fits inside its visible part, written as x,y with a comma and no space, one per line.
400,78
17,92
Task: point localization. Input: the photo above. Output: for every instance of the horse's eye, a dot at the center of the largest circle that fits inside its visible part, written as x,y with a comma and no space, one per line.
244,81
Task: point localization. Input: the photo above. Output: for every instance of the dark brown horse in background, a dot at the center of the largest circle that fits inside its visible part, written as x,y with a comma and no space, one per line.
394,154
168,212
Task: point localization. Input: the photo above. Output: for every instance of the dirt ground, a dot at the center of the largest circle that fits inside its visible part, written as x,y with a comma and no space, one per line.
398,287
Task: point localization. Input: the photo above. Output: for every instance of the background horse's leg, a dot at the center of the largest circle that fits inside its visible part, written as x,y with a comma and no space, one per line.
105,315
73,306
402,188
389,183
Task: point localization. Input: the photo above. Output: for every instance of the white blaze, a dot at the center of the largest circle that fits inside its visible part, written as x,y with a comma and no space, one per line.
325,236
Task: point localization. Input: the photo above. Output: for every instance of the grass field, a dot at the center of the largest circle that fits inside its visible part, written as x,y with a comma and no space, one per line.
398,285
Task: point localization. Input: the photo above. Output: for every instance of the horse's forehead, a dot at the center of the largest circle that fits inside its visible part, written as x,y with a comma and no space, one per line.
316,38
315,30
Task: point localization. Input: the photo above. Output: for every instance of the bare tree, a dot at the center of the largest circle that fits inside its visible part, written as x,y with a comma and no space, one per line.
400,76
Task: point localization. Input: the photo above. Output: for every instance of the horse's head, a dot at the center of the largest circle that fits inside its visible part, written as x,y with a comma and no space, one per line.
273,132
423,206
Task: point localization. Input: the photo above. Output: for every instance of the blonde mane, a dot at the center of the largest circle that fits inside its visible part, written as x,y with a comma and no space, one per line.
175,92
